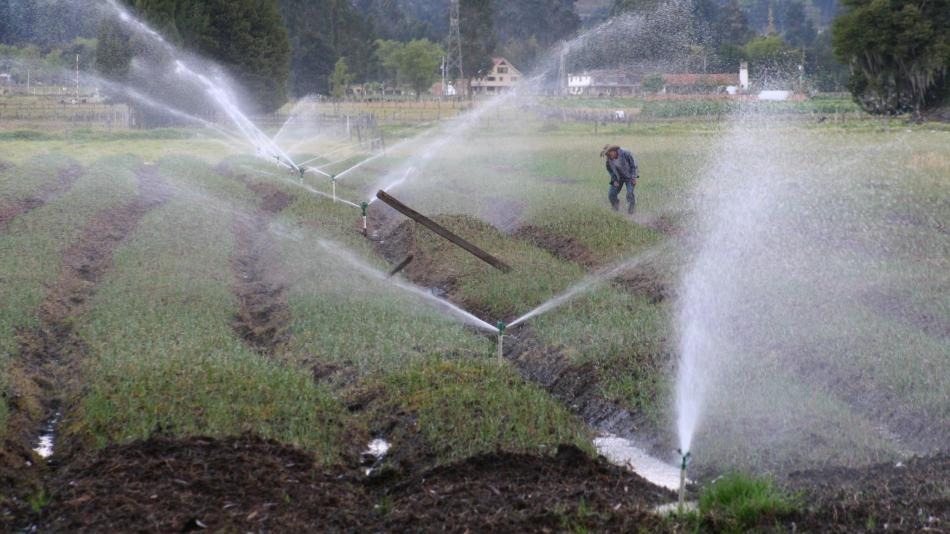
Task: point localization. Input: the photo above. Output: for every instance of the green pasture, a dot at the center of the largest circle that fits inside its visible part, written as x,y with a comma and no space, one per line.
163,355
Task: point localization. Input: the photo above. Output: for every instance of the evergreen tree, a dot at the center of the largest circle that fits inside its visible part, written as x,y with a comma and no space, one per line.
796,27
321,32
529,27
246,37
478,36
899,53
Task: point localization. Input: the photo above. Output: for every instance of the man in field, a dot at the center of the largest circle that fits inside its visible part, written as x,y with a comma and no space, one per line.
623,171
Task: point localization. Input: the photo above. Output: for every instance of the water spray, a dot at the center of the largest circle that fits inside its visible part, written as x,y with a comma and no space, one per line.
685,459
363,207
501,326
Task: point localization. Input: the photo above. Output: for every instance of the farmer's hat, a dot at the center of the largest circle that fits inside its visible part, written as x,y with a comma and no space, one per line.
609,148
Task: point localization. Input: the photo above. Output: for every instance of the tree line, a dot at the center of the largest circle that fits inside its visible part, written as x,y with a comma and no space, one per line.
892,54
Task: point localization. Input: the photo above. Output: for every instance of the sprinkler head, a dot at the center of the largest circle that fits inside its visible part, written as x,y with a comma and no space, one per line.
686,457
501,326
363,207
332,177
302,171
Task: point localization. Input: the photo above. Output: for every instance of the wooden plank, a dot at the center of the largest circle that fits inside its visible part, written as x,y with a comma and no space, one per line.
442,231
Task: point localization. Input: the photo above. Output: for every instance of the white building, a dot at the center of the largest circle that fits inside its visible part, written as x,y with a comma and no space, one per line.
502,77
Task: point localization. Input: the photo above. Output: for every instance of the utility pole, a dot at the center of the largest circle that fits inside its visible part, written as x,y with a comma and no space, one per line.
453,62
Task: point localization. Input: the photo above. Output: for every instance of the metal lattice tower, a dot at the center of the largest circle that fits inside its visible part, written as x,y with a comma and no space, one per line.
453,59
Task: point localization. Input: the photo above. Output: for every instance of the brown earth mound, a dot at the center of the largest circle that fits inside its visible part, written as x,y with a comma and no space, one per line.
244,484
562,247
904,497
521,493
10,210
250,484
645,280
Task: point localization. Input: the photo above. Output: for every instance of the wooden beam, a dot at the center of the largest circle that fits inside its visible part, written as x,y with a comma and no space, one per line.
442,231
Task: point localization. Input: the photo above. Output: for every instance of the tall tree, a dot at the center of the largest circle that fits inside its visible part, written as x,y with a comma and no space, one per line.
899,53
528,27
796,27
321,32
478,36
340,79
419,64
246,37
415,63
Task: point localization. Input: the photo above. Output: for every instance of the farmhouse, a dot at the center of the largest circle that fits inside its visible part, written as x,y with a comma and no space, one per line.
502,77
628,81
605,82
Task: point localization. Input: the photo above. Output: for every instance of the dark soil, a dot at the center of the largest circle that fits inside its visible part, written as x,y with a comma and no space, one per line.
913,496
424,270
565,248
249,484
263,320
242,484
520,493
647,281
10,210
578,387
47,366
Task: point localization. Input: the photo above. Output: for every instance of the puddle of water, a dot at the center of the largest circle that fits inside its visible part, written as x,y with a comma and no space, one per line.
47,439
623,452
674,507
374,454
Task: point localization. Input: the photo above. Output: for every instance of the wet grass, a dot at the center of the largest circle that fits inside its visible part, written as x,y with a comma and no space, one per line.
739,503
165,356
18,182
500,411
31,248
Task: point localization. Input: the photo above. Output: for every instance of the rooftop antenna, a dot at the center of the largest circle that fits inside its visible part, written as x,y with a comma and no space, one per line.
453,58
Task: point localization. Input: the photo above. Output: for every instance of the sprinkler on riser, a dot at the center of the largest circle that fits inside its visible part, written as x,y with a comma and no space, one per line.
302,170
333,181
501,326
684,463
278,160
363,207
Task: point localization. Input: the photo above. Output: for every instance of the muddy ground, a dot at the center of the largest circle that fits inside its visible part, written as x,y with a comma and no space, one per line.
912,496
11,209
263,319
248,484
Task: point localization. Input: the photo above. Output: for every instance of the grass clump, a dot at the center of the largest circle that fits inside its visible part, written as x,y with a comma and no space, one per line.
738,503
466,409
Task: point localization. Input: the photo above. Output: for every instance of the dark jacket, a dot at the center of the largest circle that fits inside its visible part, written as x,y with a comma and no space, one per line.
623,168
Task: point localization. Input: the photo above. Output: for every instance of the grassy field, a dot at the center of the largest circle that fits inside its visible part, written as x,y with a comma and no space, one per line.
162,356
